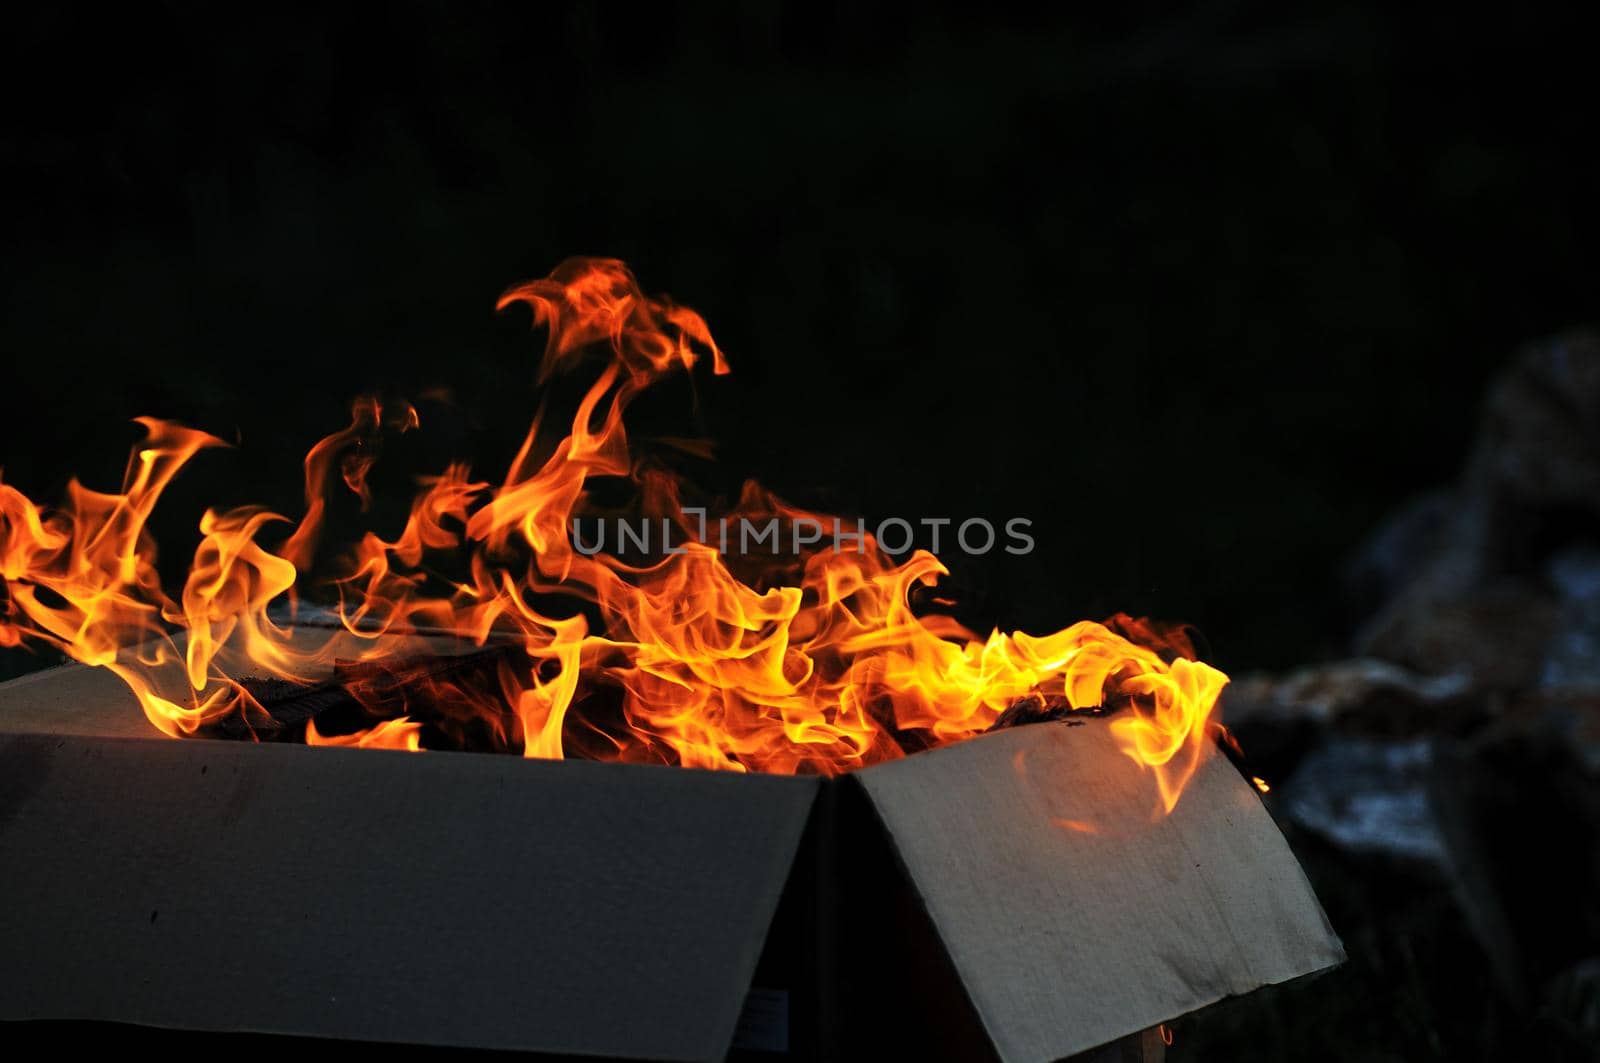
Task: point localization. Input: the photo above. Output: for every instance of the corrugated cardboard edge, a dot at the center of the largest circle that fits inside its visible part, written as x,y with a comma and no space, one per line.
1090,917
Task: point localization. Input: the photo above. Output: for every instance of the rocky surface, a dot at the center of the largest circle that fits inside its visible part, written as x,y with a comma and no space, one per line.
1442,783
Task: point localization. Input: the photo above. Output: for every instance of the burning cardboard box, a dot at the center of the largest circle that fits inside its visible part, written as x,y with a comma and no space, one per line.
1011,894
1016,846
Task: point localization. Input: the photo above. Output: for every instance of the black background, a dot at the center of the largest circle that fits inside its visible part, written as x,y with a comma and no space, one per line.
1202,294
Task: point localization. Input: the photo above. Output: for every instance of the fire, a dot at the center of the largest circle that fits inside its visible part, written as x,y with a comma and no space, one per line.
398,733
810,663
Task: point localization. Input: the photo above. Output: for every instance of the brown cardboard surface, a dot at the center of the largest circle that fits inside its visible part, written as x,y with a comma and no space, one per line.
437,898
1067,938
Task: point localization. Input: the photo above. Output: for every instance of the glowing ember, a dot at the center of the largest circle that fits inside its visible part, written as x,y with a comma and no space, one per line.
815,665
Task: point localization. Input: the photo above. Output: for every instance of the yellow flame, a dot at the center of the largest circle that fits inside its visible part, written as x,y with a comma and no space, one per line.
812,663
398,733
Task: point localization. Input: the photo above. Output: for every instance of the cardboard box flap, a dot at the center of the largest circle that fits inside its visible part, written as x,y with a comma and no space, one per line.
72,700
453,899
1088,917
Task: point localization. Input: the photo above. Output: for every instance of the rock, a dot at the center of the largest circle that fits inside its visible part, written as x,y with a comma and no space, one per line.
1401,545
1443,786
1368,797
1486,595
1497,636
1363,694
1537,445
1519,813
1565,716
1572,1002
1275,721
1572,659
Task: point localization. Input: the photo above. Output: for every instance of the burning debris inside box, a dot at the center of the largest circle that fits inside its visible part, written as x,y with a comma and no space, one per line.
812,663
883,837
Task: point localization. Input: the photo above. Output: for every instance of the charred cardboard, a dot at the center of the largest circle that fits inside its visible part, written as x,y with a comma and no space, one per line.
952,901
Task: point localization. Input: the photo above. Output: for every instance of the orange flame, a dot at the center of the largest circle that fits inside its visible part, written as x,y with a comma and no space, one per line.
814,663
398,733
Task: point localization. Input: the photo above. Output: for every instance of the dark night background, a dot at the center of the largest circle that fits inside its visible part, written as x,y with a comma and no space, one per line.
1204,294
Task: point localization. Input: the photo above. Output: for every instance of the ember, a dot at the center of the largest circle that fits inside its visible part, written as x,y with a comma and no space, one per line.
811,664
